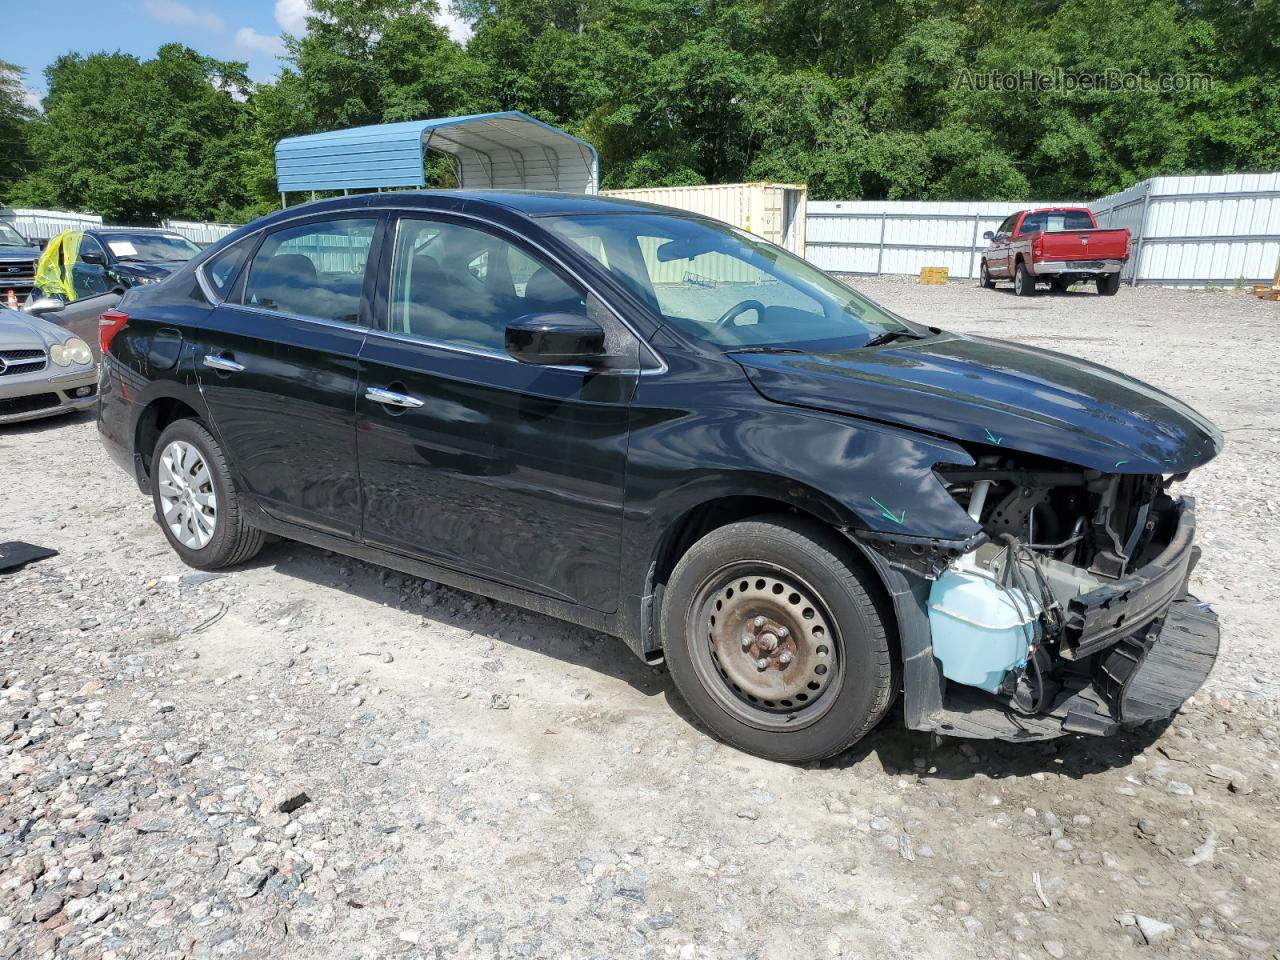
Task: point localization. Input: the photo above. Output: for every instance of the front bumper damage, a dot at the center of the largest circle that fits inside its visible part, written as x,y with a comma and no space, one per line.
1131,651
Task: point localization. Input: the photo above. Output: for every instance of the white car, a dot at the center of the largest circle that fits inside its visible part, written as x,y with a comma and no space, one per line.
44,369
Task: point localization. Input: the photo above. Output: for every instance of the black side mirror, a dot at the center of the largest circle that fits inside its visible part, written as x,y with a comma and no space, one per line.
988,235
44,305
565,339
93,256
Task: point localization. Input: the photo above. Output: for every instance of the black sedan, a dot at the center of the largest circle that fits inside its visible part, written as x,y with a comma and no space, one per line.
661,427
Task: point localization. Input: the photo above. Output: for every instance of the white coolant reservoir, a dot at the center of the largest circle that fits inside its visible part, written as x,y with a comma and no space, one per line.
982,629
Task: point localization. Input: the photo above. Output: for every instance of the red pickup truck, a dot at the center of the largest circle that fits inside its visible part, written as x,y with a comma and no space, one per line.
1057,245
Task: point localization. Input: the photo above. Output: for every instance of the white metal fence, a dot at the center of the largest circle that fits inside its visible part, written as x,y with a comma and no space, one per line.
47,224
198,231
1186,231
1198,231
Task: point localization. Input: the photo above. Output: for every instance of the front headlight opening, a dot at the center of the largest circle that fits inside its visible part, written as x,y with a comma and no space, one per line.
74,351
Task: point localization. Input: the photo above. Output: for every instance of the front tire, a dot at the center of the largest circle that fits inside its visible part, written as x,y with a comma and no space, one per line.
196,500
984,277
775,637
1024,284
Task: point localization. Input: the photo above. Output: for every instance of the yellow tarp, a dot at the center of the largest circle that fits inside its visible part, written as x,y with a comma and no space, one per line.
53,270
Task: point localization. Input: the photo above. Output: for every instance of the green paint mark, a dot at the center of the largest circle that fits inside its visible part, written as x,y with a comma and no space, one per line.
992,438
1118,462
889,514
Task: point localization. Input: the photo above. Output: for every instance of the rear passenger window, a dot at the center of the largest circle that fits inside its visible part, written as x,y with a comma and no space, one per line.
459,285
221,269
316,270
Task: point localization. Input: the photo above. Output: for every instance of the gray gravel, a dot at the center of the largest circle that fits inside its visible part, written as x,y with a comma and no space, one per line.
313,757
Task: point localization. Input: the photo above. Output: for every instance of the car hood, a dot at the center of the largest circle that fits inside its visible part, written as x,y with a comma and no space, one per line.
1004,395
151,270
19,253
22,331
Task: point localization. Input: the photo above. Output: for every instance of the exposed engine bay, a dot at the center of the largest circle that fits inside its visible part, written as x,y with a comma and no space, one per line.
1070,590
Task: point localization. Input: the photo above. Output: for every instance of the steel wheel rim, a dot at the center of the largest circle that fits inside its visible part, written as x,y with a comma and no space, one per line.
188,502
751,602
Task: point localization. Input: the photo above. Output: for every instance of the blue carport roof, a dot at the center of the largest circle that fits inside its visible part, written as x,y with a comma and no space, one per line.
509,149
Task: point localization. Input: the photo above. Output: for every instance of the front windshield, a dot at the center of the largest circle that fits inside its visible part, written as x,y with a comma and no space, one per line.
149,247
725,286
10,237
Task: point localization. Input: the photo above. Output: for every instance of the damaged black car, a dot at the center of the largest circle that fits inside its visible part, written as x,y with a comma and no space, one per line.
664,428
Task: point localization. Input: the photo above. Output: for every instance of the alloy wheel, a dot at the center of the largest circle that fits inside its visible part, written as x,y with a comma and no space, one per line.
765,646
188,501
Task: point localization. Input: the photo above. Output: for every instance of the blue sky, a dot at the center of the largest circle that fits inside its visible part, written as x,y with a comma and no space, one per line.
228,29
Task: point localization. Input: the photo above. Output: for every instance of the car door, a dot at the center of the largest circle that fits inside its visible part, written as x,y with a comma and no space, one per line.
89,271
998,256
469,458
277,368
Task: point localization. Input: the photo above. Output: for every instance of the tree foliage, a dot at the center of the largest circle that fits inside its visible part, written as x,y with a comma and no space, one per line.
858,98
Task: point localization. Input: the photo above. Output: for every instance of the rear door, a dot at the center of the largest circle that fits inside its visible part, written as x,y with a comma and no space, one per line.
508,471
277,364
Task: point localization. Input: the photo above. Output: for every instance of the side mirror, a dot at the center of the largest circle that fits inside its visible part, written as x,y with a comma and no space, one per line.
565,339
93,256
988,235
44,305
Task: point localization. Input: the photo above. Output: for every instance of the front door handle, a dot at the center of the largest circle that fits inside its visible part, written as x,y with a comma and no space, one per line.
222,363
391,398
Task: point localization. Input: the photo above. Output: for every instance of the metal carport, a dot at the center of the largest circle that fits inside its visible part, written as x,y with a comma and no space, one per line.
508,150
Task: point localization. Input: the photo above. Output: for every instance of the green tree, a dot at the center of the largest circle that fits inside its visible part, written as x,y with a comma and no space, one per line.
15,122
167,141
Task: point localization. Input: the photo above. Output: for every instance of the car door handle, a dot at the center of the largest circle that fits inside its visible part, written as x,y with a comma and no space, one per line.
222,363
391,398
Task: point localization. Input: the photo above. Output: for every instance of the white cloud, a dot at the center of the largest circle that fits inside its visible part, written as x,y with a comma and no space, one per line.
172,11
250,41
31,98
459,30
292,16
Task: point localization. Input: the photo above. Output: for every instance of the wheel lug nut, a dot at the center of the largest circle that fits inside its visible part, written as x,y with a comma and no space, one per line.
762,663
746,643
758,622
783,633
785,659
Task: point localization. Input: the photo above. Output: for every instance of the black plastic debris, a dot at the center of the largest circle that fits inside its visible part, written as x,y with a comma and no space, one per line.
14,555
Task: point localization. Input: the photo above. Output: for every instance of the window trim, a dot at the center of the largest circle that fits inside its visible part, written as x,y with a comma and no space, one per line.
382,301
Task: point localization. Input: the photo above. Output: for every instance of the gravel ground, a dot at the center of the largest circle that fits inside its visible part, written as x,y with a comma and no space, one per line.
313,757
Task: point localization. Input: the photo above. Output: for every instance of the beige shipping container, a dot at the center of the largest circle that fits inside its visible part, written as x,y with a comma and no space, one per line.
774,211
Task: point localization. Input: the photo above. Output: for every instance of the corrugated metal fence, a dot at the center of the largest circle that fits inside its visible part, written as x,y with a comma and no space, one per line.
1198,231
874,237
200,232
47,224
1186,231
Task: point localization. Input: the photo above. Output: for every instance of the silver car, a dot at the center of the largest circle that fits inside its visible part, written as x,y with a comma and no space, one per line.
44,369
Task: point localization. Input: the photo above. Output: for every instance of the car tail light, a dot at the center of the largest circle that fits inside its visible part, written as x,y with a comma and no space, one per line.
109,324
1037,245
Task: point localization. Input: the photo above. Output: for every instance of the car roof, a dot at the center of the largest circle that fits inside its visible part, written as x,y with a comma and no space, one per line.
530,203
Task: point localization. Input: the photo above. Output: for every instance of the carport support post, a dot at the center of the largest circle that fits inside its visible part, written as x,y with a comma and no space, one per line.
973,246
282,203
884,218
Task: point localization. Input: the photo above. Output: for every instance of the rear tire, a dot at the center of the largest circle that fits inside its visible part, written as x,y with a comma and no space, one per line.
1109,284
789,594
196,500
1024,284
984,278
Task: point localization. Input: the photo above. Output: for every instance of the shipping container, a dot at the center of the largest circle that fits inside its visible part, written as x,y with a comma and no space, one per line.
774,211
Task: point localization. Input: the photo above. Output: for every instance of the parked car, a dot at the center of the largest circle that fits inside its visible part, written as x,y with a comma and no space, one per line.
44,370
658,426
1058,245
18,257
88,270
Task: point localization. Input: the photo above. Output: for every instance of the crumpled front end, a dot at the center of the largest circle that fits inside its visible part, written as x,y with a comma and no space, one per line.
1069,613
